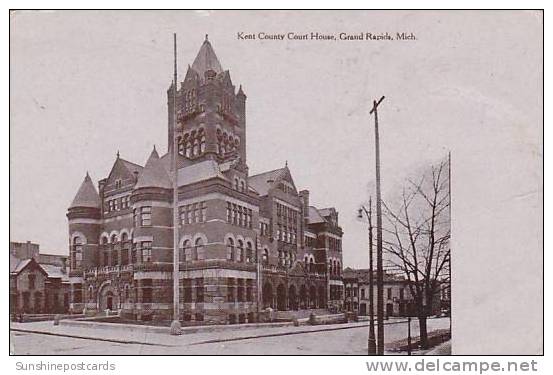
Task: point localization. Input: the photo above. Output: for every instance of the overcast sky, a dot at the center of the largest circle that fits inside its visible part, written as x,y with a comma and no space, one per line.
86,84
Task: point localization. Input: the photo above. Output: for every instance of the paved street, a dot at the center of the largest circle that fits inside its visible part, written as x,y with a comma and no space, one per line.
349,339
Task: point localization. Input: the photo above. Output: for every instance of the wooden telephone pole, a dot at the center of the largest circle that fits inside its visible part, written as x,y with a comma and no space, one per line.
379,271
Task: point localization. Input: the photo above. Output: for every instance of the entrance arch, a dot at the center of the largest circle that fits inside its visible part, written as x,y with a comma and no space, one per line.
292,300
281,297
108,298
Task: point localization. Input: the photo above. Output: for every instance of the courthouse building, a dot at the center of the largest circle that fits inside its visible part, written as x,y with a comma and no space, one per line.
245,242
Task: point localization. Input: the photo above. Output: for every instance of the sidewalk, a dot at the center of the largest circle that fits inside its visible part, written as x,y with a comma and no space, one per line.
135,334
442,349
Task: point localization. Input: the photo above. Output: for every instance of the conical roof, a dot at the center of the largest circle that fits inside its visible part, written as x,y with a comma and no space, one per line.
87,196
206,60
154,174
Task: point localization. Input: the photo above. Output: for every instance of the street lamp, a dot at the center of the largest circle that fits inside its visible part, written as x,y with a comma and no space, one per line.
372,339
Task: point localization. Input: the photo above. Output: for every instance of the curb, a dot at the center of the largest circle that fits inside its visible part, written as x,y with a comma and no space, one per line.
87,337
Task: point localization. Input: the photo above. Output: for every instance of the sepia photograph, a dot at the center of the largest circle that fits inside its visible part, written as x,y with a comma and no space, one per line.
195,182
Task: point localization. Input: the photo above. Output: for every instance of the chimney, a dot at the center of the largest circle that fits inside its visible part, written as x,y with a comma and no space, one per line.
304,194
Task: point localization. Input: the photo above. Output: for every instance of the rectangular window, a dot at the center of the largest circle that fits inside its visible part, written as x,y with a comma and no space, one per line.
199,290
401,295
146,251
190,214
187,290
146,216
31,281
230,290
147,289
182,215
362,293
249,290
240,284
135,217
229,212
204,212
111,204
234,214
389,293
116,204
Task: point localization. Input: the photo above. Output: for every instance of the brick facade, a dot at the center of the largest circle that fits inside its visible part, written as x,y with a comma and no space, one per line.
245,242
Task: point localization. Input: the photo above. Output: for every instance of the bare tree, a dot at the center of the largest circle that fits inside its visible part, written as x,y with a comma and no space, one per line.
417,238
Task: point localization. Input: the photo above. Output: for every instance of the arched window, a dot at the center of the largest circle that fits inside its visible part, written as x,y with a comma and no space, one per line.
196,150
199,249
338,268
125,249
265,256
230,250
76,252
334,267
311,265
185,251
187,148
180,144
240,255
202,144
249,252
114,258
91,293
236,182
242,186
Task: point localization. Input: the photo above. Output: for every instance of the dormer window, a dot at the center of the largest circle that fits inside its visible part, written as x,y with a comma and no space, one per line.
118,184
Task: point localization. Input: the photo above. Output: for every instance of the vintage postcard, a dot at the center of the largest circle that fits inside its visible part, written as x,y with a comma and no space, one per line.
276,182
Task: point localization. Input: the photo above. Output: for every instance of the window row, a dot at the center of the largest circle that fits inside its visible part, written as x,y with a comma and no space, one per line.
118,204
193,213
239,215
239,290
334,244
286,259
192,251
287,234
239,185
239,252
264,229
310,241
192,144
142,216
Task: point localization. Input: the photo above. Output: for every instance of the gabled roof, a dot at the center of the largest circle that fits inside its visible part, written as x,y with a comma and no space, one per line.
132,167
27,263
263,182
14,262
54,272
314,216
197,172
154,174
206,60
124,169
87,196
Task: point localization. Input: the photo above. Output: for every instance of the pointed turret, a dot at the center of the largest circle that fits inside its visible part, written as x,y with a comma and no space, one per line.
87,196
206,60
154,174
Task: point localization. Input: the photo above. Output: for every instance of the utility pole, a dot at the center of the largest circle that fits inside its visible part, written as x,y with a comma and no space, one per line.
175,324
379,271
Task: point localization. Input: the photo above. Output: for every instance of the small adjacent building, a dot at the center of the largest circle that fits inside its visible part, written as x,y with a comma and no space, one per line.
39,283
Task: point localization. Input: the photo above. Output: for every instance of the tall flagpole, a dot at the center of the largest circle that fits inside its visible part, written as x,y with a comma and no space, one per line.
175,324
